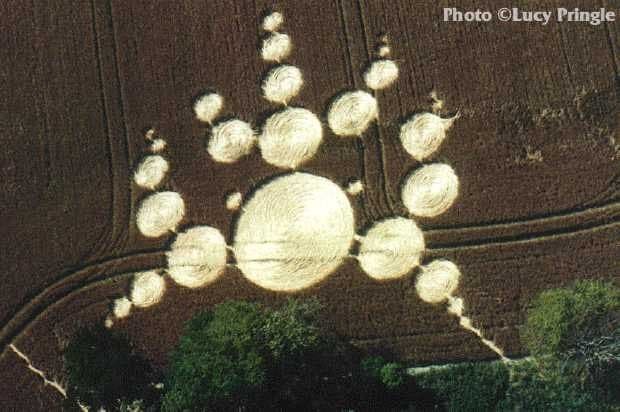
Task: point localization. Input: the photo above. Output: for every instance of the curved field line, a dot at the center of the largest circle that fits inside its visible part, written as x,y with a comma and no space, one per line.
81,278
525,238
611,208
521,232
73,282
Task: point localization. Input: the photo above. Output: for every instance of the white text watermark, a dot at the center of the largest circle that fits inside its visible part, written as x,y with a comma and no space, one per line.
515,14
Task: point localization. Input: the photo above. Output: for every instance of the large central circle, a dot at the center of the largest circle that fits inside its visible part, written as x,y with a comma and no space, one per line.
293,232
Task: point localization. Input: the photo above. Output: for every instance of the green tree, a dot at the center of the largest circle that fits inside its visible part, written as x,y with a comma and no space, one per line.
468,386
220,360
243,357
596,356
104,370
134,406
574,335
293,329
309,368
558,316
546,387
391,375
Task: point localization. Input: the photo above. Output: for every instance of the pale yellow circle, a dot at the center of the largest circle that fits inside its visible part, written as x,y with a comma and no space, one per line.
293,232
391,248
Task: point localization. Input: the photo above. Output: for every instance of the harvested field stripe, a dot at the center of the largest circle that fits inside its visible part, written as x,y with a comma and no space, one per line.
116,207
390,197
466,323
372,204
39,372
608,210
114,120
72,282
29,312
24,327
521,236
46,382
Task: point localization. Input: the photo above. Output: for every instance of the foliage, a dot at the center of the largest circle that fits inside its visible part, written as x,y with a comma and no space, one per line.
293,329
546,387
103,369
392,375
596,353
219,363
371,366
309,368
134,406
385,385
468,386
241,356
574,333
558,315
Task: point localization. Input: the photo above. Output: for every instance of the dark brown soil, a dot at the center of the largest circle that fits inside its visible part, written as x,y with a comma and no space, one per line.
537,152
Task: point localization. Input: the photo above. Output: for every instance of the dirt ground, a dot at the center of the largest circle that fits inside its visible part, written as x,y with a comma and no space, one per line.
536,149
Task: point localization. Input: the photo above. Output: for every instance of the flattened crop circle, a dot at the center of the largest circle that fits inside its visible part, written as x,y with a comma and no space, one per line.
293,232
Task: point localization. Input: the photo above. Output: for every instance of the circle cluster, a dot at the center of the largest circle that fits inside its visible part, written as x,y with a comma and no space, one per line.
296,229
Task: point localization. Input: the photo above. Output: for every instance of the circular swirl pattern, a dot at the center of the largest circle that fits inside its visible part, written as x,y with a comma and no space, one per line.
121,307
430,190
197,257
158,145
384,51
160,213
293,232
273,21
151,172
282,83
437,281
381,74
147,289
351,113
290,137
276,47
208,106
234,200
391,248
422,135
230,140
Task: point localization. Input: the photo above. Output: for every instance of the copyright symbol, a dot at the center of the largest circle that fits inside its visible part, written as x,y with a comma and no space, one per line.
504,14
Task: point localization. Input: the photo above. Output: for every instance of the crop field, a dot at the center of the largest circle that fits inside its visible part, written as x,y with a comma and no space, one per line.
533,142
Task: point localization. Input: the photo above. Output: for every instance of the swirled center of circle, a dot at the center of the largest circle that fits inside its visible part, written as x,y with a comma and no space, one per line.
293,232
